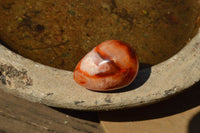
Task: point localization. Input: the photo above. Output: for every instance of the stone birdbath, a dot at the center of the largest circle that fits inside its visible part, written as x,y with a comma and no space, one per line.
73,28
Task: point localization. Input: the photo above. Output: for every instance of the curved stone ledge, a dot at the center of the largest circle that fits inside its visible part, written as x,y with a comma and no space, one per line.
54,87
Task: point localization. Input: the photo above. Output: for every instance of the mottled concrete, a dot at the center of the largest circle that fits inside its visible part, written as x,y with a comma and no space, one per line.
39,83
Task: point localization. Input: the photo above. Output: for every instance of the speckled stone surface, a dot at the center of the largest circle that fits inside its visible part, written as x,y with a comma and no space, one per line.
39,83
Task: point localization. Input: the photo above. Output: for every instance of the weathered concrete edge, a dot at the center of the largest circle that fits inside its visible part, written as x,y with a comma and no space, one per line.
34,82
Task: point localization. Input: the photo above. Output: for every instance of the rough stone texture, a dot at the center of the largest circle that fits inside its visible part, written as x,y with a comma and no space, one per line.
57,88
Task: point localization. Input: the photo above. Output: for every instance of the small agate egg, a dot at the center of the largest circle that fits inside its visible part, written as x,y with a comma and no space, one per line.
110,65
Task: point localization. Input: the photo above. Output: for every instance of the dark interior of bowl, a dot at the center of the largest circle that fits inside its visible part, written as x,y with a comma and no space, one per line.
60,33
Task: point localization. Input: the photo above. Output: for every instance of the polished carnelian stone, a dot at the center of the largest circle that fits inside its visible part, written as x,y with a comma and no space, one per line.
110,65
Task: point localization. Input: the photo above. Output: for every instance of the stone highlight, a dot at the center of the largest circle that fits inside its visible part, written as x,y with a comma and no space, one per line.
111,65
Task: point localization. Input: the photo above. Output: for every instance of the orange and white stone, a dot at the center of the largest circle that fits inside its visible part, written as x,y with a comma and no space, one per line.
111,65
